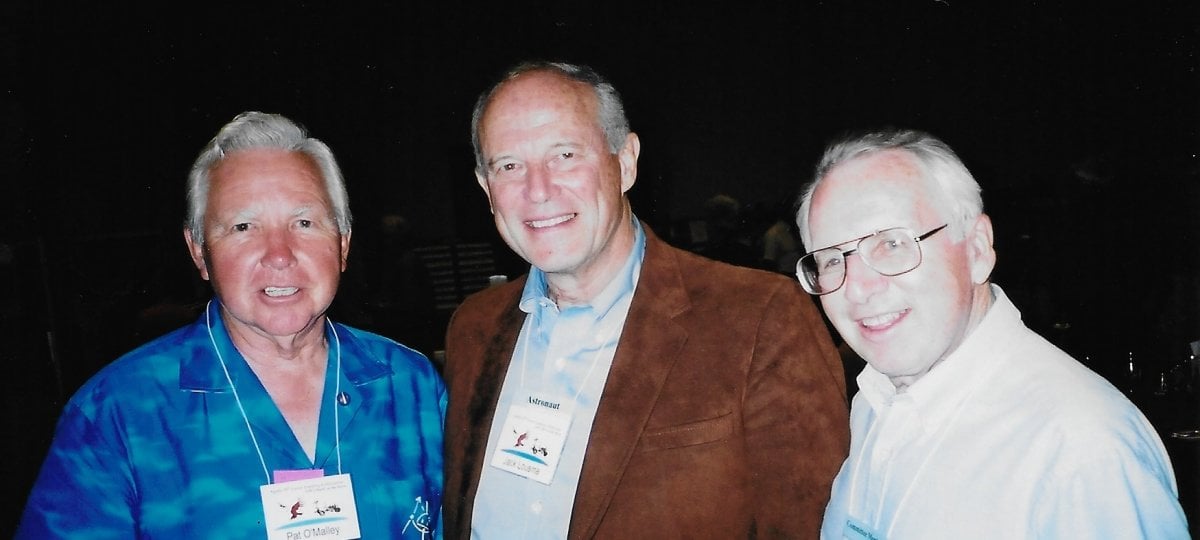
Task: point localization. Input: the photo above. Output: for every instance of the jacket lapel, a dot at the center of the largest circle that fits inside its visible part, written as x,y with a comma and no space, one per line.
497,355
649,346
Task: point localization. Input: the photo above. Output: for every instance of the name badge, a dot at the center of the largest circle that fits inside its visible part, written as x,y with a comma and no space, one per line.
531,442
314,508
858,530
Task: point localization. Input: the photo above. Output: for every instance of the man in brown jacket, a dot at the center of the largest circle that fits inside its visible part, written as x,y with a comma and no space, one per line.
624,388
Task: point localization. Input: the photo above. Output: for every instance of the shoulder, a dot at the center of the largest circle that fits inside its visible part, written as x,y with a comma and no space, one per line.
1075,410
497,295
380,352
485,307
720,281
1055,382
154,363
135,384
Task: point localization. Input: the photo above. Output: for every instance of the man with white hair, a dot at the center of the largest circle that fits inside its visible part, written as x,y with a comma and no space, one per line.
967,424
263,418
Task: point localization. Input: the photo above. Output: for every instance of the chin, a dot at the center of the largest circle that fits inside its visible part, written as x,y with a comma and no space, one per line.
289,326
554,263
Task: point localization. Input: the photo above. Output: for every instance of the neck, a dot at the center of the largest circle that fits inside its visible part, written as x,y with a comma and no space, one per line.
981,302
579,287
292,371
306,347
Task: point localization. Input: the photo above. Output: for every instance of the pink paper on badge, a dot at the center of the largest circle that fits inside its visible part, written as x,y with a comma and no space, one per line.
289,475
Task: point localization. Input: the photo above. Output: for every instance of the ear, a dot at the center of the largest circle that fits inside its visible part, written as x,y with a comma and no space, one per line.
196,250
345,249
980,249
628,156
487,192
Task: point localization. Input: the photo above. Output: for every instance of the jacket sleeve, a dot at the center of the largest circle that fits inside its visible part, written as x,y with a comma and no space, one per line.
796,417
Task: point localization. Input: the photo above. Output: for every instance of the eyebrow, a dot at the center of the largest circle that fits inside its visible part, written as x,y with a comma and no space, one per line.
832,246
243,214
558,146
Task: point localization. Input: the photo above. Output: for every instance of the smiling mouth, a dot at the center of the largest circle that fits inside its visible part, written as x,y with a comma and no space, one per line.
275,292
543,223
881,321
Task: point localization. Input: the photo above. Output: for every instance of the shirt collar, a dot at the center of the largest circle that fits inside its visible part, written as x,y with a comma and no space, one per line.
537,295
201,370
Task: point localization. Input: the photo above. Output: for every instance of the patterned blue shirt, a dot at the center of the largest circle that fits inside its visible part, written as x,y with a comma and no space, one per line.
154,445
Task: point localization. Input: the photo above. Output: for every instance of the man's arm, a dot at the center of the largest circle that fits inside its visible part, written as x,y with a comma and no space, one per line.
83,489
796,417
1113,493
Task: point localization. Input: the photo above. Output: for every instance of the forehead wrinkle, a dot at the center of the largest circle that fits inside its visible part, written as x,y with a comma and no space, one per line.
877,191
243,213
854,240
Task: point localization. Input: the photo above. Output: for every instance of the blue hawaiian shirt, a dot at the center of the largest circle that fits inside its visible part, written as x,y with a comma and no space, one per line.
155,446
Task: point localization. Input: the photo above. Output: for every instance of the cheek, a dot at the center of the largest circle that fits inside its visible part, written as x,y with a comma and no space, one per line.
503,197
834,309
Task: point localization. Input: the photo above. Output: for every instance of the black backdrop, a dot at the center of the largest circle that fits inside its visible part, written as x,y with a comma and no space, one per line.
1079,121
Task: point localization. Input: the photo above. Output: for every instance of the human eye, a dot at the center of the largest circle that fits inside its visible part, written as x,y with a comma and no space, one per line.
305,223
241,227
829,262
890,244
505,167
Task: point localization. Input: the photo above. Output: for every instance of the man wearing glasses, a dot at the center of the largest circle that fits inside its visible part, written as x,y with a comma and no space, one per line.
967,424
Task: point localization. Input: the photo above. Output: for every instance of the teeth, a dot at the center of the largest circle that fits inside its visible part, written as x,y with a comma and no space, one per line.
550,222
881,320
280,291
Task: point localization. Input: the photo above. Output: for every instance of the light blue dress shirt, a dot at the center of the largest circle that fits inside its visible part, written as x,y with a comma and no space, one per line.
561,356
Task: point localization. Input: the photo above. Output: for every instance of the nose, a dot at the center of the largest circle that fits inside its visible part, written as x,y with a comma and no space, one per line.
539,186
279,253
862,281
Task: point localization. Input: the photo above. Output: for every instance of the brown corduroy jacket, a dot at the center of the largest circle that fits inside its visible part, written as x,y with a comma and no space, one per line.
723,416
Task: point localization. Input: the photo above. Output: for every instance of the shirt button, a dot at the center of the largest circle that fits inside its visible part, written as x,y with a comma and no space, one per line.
536,507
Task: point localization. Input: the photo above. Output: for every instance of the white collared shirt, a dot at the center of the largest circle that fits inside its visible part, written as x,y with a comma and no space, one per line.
1007,438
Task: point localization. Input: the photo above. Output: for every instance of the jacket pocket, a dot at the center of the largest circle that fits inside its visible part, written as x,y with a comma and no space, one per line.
689,434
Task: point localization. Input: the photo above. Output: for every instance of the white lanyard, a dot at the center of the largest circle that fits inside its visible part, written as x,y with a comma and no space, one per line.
527,331
337,435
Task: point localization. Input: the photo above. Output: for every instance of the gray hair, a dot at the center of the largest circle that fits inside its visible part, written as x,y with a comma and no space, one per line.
254,130
960,195
610,115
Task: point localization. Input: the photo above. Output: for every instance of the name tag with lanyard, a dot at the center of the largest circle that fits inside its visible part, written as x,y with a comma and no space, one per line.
531,442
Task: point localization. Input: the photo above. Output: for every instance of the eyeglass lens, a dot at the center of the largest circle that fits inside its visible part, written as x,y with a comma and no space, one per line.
890,252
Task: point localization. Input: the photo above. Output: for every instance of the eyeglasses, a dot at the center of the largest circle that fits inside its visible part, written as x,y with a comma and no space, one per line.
890,252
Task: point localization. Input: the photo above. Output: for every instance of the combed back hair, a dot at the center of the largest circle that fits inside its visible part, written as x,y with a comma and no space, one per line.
255,130
960,197
610,115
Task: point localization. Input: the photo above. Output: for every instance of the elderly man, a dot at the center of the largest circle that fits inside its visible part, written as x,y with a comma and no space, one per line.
262,418
966,424
624,388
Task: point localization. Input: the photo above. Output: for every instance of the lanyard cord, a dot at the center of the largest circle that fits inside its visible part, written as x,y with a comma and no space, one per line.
245,418
595,358
337,424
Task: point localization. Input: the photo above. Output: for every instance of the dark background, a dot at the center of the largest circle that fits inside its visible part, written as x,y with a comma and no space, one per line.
1079,121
